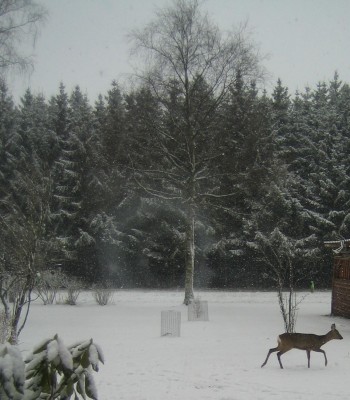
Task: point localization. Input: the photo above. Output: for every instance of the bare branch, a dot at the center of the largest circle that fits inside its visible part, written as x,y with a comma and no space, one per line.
19,22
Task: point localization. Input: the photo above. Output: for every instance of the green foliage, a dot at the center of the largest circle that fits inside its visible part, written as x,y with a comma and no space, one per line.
51,371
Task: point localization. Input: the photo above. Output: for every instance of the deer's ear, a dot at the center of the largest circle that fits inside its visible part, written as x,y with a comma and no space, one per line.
333,327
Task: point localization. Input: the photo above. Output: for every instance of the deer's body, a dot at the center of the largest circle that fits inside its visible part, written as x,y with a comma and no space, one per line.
303,341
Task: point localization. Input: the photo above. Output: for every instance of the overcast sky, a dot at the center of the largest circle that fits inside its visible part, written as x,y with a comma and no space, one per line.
84,41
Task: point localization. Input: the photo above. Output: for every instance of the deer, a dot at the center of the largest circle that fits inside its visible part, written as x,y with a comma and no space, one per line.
303,341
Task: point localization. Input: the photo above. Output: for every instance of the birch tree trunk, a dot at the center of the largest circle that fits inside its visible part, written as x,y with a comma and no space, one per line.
190,257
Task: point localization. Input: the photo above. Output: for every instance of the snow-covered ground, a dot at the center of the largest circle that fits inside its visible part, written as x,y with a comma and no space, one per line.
219,359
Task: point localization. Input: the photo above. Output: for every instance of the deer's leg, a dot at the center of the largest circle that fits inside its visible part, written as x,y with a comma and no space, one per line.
324,353
279,357
308,358
268,355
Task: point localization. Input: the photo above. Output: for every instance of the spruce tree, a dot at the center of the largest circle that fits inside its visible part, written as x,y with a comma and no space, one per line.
247,146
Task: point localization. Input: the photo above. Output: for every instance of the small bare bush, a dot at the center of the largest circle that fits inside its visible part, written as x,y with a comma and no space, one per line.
102,296
74,287
48,284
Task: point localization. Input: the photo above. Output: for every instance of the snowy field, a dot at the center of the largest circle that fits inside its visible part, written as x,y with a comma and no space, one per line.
219,359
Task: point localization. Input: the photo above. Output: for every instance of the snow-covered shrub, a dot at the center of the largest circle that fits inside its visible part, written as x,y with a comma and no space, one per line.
52,371
48,284
74,287
102,295
12,375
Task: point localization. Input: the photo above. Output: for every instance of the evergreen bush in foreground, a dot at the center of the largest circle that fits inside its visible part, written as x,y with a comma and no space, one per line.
51,371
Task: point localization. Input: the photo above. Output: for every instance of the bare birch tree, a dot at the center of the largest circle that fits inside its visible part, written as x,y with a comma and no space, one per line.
185,53
19,22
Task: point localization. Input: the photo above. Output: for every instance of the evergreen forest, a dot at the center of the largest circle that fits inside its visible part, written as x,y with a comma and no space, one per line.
82,185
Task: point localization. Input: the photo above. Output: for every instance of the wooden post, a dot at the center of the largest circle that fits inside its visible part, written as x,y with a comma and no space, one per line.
334,275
